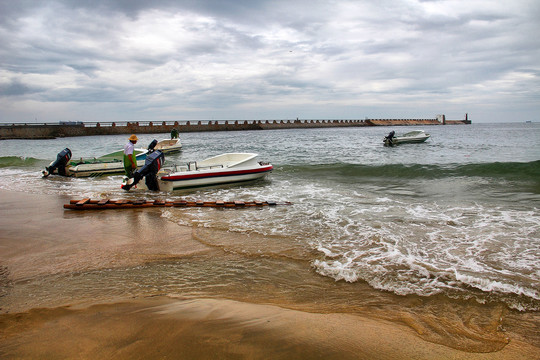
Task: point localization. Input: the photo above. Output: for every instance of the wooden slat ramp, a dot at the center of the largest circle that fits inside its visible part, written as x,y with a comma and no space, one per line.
89,204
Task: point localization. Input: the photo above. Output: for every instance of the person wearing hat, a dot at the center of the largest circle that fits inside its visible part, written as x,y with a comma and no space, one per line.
130,162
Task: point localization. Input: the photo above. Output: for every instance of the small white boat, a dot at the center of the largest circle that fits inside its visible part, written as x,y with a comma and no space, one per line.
169,146
222,169
416,136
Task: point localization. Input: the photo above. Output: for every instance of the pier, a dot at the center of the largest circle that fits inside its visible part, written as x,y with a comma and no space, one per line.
77,128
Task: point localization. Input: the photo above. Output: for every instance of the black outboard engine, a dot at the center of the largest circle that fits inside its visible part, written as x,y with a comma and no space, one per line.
388,138
59,164
149,171
152,145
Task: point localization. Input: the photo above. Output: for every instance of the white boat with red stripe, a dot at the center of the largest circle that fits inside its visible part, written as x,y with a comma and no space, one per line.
222,169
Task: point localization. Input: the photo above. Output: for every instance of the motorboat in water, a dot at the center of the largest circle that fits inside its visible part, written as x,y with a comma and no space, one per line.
108,164
411,137
222,169
169,146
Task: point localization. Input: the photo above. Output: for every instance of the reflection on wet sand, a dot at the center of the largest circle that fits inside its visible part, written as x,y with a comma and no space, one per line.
209,328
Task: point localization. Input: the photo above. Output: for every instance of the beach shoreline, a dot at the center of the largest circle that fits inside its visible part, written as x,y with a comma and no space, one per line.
34,244
210,328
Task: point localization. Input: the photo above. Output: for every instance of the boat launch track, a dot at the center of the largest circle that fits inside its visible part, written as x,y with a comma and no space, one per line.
102,204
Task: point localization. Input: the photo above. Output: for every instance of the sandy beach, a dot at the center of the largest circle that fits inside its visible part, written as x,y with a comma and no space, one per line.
39,240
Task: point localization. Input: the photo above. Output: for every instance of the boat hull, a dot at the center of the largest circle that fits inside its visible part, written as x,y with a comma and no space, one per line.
191,179
99,169
410,140
110,164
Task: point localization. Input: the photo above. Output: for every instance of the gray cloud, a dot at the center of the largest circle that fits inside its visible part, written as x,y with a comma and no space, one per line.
16,88
191,59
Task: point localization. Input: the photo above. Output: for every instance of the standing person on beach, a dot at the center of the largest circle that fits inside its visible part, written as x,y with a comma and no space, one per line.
130,162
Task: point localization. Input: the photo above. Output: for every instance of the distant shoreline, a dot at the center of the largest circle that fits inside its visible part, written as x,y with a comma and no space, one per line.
78,128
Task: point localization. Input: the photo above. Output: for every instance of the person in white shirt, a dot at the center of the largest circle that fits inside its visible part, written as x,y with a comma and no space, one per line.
130,162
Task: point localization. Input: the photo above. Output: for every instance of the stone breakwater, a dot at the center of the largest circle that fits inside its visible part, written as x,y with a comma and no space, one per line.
66,129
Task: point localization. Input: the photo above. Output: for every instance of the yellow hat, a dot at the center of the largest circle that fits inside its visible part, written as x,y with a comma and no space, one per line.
133,138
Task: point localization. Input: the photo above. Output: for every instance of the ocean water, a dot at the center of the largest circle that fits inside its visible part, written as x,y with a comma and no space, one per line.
457,216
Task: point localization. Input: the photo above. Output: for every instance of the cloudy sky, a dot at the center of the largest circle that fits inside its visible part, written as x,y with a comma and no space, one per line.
107,60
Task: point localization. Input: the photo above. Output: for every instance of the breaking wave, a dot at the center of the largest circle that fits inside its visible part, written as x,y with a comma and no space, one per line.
18,161
507,170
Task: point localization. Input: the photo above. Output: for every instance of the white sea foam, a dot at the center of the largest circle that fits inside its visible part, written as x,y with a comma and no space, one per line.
432,250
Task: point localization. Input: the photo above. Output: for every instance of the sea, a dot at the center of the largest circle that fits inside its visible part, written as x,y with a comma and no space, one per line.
456,217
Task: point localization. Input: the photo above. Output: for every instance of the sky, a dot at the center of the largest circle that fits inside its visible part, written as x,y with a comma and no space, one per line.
162,60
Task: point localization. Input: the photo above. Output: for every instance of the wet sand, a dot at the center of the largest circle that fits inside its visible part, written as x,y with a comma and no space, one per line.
216,329
38,238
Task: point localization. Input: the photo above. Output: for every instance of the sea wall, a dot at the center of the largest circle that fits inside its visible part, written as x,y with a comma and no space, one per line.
402,122
66,129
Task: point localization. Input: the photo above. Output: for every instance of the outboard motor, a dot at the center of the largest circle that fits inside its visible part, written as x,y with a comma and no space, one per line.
388,138
149,171
59,164
152,145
